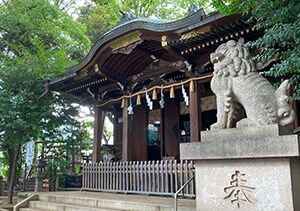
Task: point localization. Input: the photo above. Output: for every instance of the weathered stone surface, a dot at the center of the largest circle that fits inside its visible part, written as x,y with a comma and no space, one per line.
251,169
267,185
265,147
236,82
245,133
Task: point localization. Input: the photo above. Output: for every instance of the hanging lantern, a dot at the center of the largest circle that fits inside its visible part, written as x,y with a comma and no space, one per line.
138,100
162,101
185,96
172,92
192,86
123,103
154,95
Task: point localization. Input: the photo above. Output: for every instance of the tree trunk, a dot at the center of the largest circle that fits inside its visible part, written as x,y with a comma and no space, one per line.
10,162
14,153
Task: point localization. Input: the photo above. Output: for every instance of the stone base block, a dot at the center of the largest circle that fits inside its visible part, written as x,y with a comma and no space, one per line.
255,168
248,184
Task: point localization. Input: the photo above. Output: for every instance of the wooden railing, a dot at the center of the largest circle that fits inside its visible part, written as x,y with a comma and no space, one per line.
163,177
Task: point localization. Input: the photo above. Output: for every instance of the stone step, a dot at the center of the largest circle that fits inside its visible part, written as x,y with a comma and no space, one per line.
31,209
118,201
50,206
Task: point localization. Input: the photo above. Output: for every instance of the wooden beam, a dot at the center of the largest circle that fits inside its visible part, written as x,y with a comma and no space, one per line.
158,68
165,45
125,132
101,70
98,131
195,112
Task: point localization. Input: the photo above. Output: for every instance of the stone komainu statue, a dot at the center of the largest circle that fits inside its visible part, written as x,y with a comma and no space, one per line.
236,83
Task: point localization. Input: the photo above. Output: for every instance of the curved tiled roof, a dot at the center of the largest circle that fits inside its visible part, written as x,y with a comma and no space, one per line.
155,25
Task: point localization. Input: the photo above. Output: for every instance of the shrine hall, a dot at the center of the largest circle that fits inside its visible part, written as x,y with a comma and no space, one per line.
152,77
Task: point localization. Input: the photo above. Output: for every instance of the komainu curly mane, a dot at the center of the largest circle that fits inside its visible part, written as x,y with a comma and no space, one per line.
236,83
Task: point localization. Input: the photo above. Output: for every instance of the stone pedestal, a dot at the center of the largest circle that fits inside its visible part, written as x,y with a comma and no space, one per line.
38,175
38,184
246,169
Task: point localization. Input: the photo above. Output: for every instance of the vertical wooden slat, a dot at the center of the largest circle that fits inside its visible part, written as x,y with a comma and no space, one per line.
166,176
123,176
162,176
93,176
130,176
171,176
149,176
145,173
117,175
102,176
141,177
176,175
127,177
185,190
88,176
106,176
157,176
134,175
153,176
83,176
181,173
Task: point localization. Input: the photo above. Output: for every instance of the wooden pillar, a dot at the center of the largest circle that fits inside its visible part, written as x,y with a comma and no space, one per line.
172,132
138,135
98,130
195,112
125,131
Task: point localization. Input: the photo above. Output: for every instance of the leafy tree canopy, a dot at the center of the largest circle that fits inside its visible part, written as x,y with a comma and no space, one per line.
38,40
103,15
280,21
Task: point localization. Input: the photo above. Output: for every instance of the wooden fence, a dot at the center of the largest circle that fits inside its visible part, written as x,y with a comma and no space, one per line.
163,177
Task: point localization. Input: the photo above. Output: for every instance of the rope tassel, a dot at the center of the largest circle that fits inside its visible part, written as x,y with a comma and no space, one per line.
192,86
154,95
172,92
123,103
138,100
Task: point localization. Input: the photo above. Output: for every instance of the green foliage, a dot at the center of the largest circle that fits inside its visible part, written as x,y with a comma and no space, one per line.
107,132
38,40
102,15
280,20
38,37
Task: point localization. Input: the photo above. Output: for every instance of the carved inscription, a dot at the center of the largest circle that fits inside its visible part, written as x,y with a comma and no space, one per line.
239,192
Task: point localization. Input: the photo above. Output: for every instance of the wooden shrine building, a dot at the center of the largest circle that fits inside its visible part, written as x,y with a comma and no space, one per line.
153,76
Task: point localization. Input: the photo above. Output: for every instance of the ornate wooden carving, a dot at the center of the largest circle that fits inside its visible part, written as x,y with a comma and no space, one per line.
158,68
125,41
195,32
127,49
